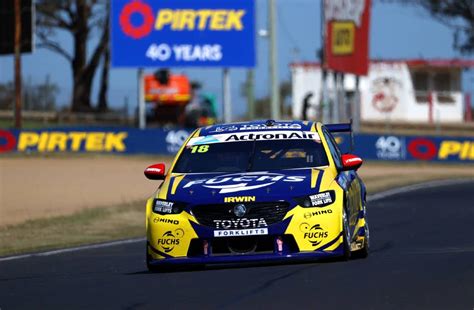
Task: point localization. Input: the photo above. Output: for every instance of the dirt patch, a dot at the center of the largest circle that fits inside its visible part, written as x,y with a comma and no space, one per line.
36,187
32,188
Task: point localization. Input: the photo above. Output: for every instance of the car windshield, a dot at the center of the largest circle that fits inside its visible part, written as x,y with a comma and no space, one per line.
251,156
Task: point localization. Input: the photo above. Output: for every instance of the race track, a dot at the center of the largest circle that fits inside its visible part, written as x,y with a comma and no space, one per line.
422,258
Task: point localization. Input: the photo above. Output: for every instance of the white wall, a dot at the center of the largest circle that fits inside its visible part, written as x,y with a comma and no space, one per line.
306,79
387,94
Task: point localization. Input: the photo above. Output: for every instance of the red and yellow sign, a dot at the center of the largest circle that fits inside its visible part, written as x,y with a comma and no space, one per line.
347,25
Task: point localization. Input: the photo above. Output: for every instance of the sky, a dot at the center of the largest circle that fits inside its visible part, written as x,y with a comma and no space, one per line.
397,31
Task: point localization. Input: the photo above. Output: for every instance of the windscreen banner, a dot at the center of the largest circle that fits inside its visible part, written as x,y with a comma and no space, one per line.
346,36
183,33
161,141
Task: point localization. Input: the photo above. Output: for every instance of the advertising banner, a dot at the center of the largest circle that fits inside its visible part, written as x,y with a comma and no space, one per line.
186,33
94,140
346,45
414,148
168,141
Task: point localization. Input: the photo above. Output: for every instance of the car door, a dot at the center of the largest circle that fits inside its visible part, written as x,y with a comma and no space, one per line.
347,179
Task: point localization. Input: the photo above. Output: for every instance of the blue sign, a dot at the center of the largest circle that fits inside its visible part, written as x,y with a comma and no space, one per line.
186,33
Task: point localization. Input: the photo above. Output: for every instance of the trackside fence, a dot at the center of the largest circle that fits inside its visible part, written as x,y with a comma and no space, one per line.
161,141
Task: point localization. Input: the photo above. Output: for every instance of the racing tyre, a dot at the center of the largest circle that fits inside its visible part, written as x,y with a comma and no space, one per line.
149,266
346,236
364,252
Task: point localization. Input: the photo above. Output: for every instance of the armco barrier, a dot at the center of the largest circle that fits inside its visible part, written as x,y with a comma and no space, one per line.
167,142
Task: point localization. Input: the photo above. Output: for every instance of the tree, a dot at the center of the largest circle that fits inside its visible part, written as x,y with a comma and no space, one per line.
104,79
80,18
456,14
41,96
36,97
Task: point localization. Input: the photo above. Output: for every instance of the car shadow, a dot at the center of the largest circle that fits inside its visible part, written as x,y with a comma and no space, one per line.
243,265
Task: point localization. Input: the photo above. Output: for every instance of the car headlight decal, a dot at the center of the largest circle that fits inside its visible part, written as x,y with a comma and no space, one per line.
164,207
318,200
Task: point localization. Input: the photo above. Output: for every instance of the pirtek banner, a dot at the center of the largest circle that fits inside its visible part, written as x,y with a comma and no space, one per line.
170,33
347,25
93,140
412,148
167,142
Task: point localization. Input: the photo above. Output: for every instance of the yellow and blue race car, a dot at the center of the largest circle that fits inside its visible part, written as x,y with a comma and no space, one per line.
257,191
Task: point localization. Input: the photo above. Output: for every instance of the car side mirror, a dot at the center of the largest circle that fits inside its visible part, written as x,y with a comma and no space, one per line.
351,162
155,172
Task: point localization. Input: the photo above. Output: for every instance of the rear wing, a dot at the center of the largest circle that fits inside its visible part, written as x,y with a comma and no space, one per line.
342,128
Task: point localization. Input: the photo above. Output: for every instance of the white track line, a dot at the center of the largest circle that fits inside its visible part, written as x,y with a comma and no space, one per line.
371,198
76,249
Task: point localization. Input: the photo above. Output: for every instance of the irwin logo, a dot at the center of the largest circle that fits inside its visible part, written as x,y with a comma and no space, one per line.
240,199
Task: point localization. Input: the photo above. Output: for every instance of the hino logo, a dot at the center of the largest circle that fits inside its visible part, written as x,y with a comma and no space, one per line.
240,223
232,183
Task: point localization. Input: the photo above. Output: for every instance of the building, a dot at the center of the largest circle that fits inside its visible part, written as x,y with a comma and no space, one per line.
411,90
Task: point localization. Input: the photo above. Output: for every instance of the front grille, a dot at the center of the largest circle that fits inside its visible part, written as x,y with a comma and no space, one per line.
227,246
272,212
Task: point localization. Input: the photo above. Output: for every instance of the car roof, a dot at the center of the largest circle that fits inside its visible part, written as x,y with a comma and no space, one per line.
259,125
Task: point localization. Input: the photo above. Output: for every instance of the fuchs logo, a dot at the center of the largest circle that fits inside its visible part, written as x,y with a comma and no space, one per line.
314,234
238,182
170,239
240,223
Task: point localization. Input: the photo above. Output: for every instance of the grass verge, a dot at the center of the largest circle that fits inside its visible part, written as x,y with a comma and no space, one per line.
84,227
127,220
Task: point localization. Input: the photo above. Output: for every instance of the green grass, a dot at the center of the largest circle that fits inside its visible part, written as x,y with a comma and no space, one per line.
84,227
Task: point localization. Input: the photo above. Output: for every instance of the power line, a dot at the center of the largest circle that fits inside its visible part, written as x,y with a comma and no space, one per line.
283,25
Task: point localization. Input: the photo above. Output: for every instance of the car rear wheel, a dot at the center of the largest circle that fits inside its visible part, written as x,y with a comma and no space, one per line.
346,234
364,252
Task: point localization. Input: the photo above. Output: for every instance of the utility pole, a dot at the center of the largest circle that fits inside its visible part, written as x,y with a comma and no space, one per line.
325,117
227,107
17,65
141,100
275,97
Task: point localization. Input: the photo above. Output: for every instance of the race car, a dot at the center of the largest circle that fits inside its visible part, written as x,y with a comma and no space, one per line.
257,191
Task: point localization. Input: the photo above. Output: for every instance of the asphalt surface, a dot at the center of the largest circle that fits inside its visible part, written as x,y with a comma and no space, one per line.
422,258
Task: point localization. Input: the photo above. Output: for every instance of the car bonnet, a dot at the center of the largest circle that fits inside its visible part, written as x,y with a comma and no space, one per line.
205,188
